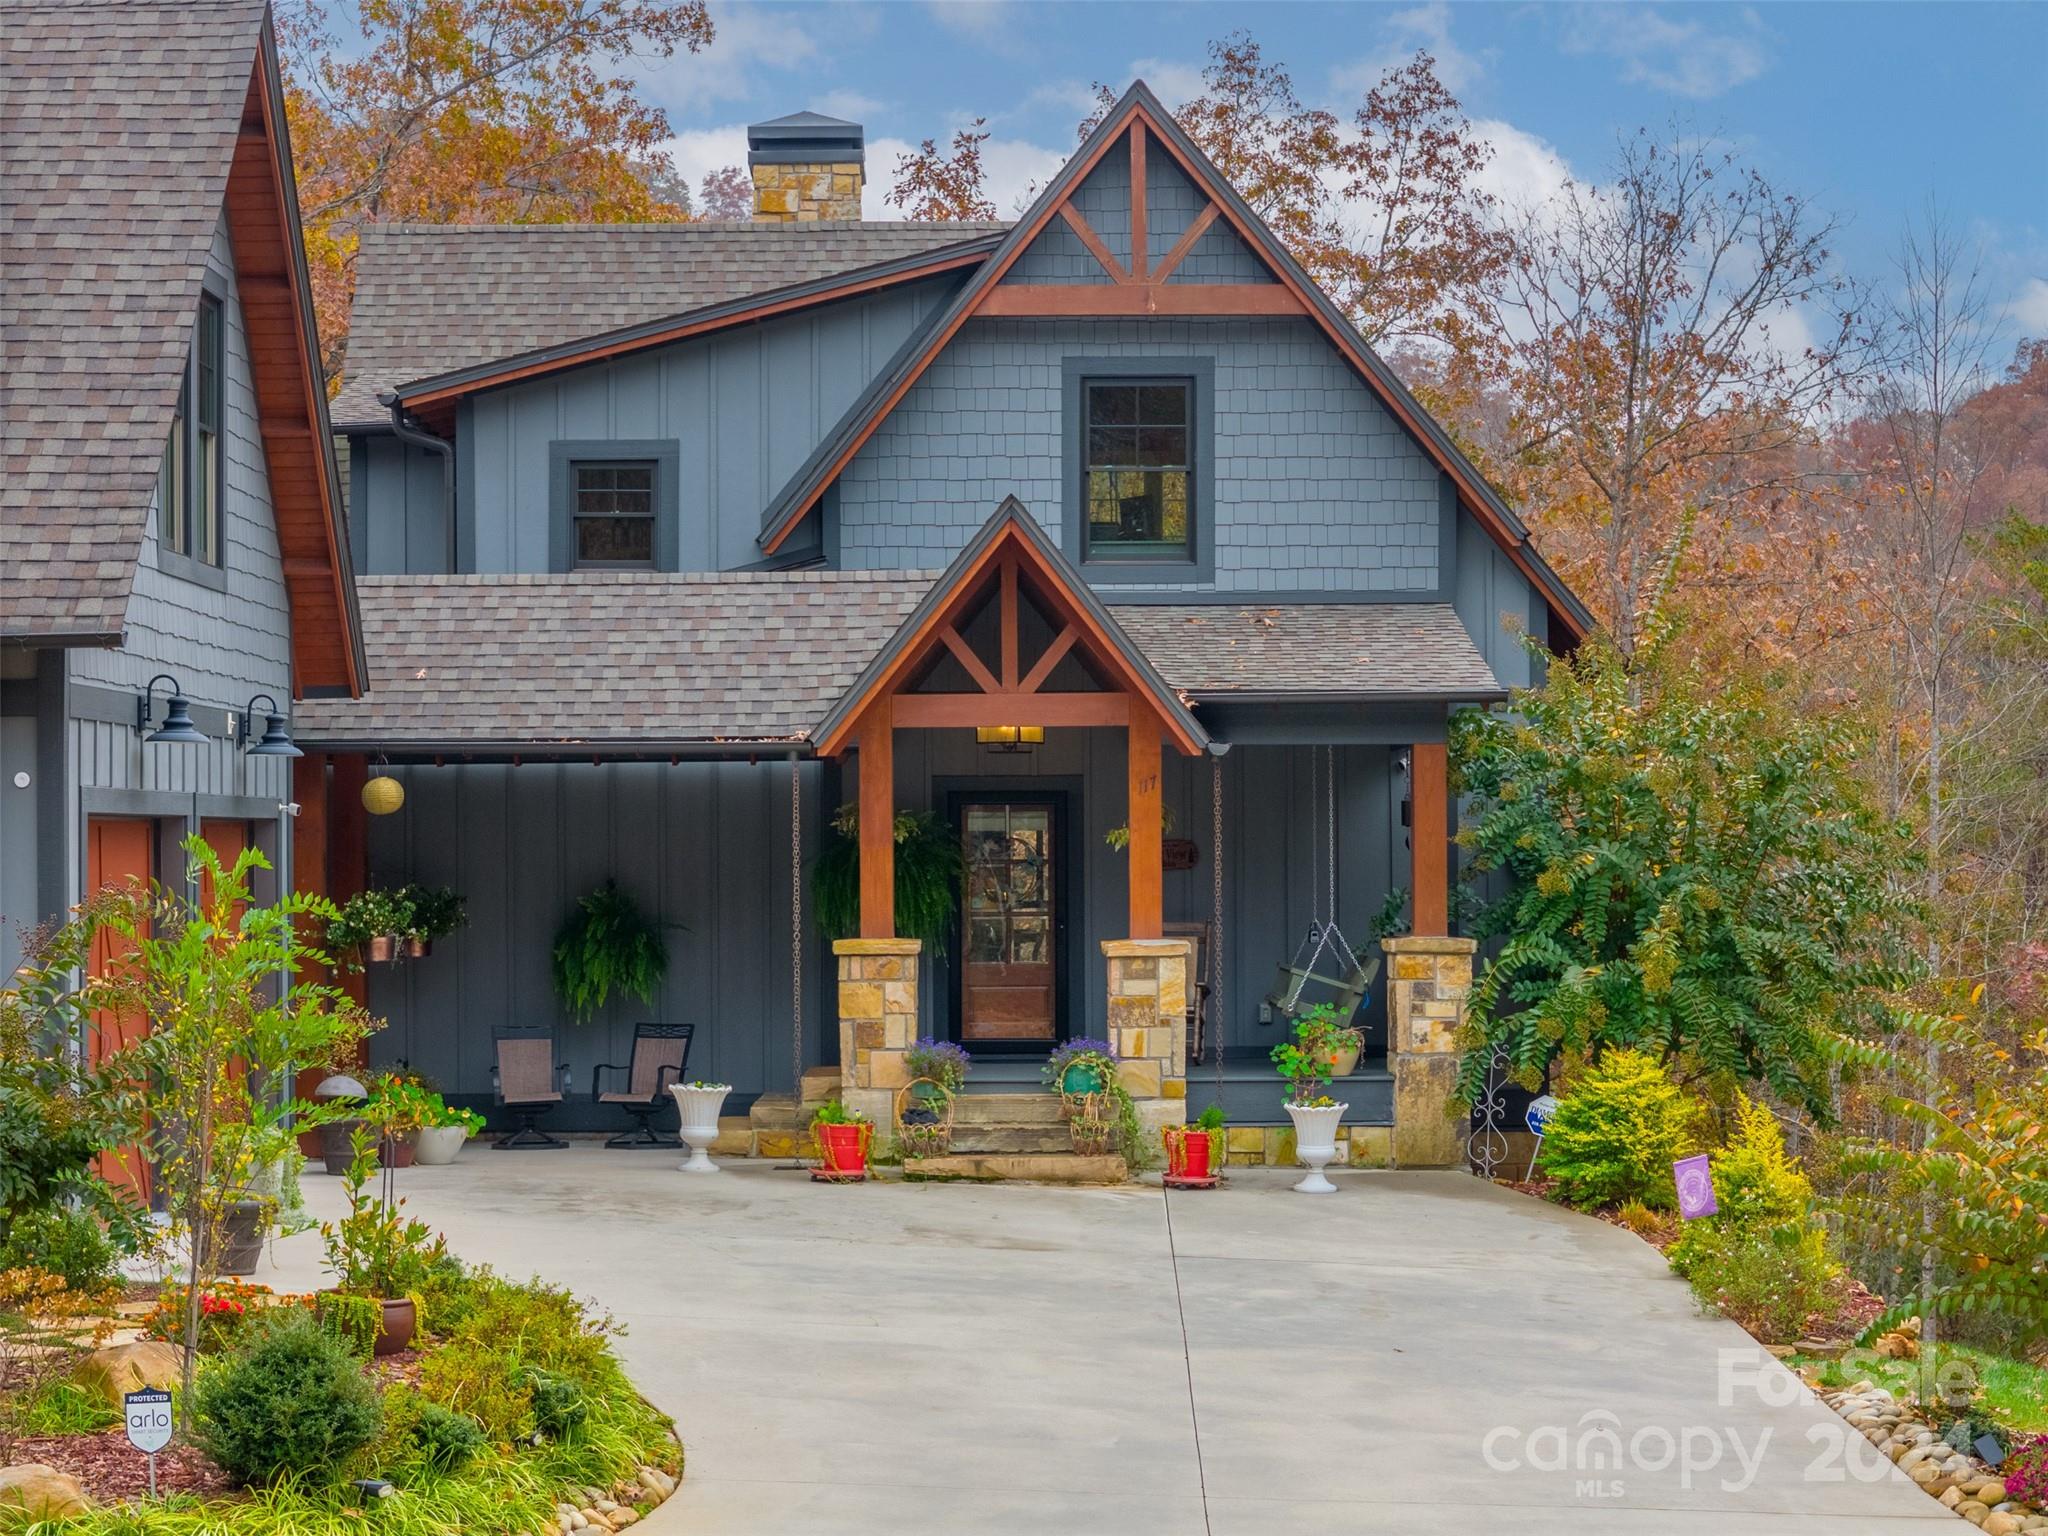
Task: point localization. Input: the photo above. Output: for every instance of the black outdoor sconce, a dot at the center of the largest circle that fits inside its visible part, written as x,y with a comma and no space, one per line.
276,741
177,724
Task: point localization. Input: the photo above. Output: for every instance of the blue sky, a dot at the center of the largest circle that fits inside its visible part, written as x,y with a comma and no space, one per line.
1869,108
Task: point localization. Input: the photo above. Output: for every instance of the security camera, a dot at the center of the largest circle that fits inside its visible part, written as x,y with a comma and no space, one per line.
288,807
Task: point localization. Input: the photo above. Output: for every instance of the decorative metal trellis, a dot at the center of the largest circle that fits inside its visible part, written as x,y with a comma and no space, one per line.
1486,1139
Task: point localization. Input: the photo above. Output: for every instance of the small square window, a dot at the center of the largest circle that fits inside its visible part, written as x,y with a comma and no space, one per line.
612,515
1138,479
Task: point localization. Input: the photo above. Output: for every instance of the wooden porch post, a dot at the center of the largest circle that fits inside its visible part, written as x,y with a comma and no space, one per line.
1429,838
877,822
1146,806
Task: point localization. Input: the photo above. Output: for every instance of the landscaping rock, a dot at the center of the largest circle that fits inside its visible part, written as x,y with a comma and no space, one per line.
1996,1524
123,1368
40,1492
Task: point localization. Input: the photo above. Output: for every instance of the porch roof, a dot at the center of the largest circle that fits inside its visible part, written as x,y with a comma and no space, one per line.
632,661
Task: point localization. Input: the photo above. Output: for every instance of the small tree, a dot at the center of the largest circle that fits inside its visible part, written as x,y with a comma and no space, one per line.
934,186
229,1024
1691,871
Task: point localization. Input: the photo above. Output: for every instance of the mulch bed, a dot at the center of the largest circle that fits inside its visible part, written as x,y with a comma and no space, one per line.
110,1469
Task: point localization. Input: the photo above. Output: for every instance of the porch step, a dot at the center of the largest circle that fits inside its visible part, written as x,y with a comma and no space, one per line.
776,1127
1009,1123
1040,1168
820,1084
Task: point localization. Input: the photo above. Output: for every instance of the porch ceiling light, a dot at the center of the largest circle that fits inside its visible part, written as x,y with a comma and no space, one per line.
382,795
276,742
1010,737
177,724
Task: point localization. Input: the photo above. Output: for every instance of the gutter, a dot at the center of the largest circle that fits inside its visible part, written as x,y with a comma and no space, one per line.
406,432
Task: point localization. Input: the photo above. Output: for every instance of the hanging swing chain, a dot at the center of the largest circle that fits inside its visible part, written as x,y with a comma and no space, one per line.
1216,1010
1323,932
796,933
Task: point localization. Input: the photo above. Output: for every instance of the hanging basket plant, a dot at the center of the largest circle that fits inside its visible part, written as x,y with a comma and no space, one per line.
930,868
607,942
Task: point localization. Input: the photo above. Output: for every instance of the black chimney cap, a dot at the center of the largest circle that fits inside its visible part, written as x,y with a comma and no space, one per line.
806,138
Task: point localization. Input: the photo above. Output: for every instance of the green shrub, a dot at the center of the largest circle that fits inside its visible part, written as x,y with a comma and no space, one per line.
478,1381
291,1400
1755,1178
63,1242
558,1403
444,1438
1769,1279
1617,1132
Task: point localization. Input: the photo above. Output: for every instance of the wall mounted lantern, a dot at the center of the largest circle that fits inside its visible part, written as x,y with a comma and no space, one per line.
1009,738
177,724
276,741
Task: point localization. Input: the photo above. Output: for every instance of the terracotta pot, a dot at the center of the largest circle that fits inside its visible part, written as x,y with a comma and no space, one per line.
394,1330
397,1151
416,949
382,949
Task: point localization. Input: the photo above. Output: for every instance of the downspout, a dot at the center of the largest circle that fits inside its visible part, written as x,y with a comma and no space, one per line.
409,432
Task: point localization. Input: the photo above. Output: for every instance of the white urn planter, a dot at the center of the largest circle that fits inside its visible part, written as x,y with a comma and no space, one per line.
1315,1143
699,1104
438,1145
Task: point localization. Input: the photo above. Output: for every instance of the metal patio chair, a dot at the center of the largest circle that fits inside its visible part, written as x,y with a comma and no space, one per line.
660,1053
527,1080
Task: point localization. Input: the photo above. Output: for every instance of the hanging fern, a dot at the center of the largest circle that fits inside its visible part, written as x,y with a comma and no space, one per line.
930,867
607,942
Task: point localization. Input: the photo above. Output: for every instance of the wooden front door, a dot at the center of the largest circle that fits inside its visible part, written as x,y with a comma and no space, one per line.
1009,984
118,851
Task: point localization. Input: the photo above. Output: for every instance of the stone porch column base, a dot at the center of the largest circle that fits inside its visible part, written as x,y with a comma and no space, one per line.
1428,980
877,1024
1148,1025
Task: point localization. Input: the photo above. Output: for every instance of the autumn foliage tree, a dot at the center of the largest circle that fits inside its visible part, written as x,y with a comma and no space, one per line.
934,185
472,111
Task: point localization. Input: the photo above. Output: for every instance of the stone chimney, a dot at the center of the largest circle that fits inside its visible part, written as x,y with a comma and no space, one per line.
806,166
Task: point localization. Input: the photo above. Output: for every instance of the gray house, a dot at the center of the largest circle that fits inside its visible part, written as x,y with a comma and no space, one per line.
1100,536
174,566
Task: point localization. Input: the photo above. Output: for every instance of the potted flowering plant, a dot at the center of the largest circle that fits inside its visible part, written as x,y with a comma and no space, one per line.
380,1257
1080,1067
1322,1029
1194,1152
924,1116
1305,1063
843,1136
437,911
443,1130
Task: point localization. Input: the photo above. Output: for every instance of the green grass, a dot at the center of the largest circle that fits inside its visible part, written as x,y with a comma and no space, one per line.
65,1408
2014,1391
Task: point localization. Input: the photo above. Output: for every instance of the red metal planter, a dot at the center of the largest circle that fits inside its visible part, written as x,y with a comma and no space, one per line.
843,1150
1188,1164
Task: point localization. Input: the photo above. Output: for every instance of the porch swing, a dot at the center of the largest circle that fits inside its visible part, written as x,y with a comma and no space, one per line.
1325,969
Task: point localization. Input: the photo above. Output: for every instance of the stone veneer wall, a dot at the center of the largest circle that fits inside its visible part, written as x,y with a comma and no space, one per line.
1148,1003
1427,984
789,194
877,1024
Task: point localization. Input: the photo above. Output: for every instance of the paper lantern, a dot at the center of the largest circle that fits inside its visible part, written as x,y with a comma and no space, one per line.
382,796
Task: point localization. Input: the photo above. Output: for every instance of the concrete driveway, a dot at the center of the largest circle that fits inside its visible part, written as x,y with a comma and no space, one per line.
1419,1352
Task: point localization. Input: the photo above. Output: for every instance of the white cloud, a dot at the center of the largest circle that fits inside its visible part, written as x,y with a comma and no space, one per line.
851,105
1173,83
1525,172
1010,168
747,37
703,150
1426,27
2029,308
1686,58
988,22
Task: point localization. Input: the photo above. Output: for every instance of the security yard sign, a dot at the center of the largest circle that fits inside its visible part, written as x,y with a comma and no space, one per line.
149,1425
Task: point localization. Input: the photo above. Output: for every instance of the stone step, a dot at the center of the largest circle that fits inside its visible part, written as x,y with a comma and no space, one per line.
1006,1109
1011,1138
820,1084
774,1112
1041,1168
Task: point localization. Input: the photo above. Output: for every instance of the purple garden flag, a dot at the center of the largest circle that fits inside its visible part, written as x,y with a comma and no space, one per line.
1695,1179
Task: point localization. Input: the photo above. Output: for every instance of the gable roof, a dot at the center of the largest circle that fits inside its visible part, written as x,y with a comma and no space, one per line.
117,124
1139,113
127,134
493,292
1011,529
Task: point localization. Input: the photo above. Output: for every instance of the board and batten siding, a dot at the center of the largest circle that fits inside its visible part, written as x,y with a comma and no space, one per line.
1317,487
745,408
703,848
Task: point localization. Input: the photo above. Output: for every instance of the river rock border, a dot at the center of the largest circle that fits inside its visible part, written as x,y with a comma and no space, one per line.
1959,1480
629,1501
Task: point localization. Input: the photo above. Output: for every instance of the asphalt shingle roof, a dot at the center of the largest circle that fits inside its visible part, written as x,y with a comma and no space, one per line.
117,125
434,298
612,658
1391,649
